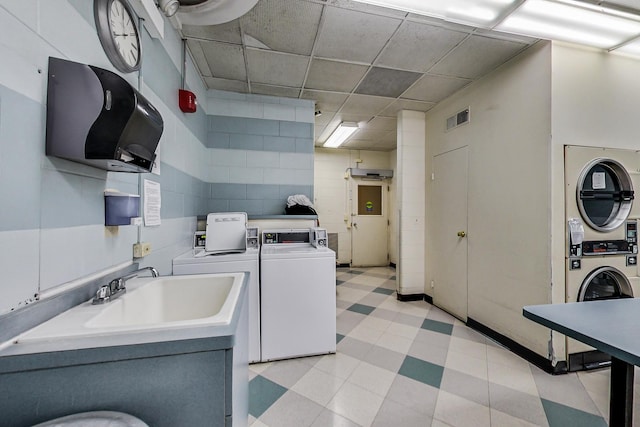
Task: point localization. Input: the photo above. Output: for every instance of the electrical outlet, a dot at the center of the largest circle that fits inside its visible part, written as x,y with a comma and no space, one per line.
141,250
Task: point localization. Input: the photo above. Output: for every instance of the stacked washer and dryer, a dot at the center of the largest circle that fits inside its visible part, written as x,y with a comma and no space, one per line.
602,234
292,296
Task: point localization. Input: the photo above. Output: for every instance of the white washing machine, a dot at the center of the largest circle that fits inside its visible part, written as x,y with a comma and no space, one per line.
230,247
298,294
600,190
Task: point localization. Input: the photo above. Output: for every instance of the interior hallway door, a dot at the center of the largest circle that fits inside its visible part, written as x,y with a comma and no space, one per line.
369,231
449,208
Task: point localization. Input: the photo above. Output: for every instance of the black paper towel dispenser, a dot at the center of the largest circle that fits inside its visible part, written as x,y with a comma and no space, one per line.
95,117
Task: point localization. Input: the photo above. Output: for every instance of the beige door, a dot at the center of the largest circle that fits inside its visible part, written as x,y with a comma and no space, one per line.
449,210
369,224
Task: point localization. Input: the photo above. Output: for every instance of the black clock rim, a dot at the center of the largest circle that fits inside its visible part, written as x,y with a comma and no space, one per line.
101,10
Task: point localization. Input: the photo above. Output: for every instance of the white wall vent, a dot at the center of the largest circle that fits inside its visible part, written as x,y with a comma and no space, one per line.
458,119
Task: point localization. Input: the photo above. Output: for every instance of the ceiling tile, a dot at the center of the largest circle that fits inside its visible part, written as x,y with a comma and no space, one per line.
477,56
388,138
199,58
284,25
383,123
434,88
440,23
365,105
361,119
324,119
224,84
229,32
286,92
334,76
326,101
370,135
365,7
353,36
386,82
402,104
276,68
418,46
225,60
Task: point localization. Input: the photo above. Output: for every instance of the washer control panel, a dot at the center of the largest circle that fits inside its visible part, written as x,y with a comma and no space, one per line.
631,233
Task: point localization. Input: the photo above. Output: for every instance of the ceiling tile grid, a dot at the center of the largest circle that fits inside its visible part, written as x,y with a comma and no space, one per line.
360,63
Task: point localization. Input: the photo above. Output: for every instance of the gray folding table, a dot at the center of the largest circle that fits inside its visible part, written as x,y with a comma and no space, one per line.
611,326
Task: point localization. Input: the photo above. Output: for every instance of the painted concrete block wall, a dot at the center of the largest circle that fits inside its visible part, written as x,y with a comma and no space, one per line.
394,231
332,190
411,202
52,213
260,151
51,242
509,192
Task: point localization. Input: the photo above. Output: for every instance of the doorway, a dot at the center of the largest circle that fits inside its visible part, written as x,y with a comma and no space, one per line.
369,231
449,209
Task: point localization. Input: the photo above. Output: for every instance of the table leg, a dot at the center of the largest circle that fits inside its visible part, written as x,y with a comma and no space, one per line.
621,398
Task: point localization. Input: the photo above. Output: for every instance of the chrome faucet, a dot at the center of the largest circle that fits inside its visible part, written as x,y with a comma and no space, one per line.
117,287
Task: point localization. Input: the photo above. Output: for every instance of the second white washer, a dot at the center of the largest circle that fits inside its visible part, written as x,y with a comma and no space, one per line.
298,297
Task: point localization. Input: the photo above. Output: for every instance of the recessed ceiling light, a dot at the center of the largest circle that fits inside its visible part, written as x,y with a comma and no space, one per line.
341,134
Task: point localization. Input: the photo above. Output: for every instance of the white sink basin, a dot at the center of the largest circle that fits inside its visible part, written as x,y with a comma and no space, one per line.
168,300
152,309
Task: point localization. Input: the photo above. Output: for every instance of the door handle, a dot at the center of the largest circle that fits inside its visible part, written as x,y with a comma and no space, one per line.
355,224
461,234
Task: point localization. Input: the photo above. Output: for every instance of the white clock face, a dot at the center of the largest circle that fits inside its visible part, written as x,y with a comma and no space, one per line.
124,34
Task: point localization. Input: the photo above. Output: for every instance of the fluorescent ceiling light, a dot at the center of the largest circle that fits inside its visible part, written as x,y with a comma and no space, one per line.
341,134
478,13
632,48
570,22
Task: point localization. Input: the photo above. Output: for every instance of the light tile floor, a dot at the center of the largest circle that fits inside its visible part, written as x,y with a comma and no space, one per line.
412,364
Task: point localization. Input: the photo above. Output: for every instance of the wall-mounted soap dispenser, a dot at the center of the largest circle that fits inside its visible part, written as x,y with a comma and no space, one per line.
121,208
95,117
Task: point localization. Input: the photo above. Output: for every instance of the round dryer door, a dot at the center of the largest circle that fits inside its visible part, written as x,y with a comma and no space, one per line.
605,283
604,194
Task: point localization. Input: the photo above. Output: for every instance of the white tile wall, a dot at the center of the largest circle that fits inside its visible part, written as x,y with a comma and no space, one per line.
246,175
296,160
72,252
259,107
265,159
19,266
167,242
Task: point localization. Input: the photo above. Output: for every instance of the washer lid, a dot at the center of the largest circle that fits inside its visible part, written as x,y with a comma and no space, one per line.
605,283
226,232
604,194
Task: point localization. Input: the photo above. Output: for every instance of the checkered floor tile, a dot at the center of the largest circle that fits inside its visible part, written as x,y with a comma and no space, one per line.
412,364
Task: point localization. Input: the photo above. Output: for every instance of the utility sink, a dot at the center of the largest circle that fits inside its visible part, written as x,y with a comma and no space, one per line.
152,309
168,300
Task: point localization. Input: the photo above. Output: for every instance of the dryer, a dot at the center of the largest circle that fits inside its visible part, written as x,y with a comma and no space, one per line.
599,190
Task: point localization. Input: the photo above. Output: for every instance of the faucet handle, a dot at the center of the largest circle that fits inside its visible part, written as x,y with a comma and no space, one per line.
102,295
116,285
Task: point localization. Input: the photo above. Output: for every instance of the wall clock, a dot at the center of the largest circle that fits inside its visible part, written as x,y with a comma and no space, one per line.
118,33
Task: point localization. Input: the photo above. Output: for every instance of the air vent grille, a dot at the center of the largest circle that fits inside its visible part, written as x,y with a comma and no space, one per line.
458,119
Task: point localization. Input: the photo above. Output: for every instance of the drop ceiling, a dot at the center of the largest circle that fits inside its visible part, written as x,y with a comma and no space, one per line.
359,63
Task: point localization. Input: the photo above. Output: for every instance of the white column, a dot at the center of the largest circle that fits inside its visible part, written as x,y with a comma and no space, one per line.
410,202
